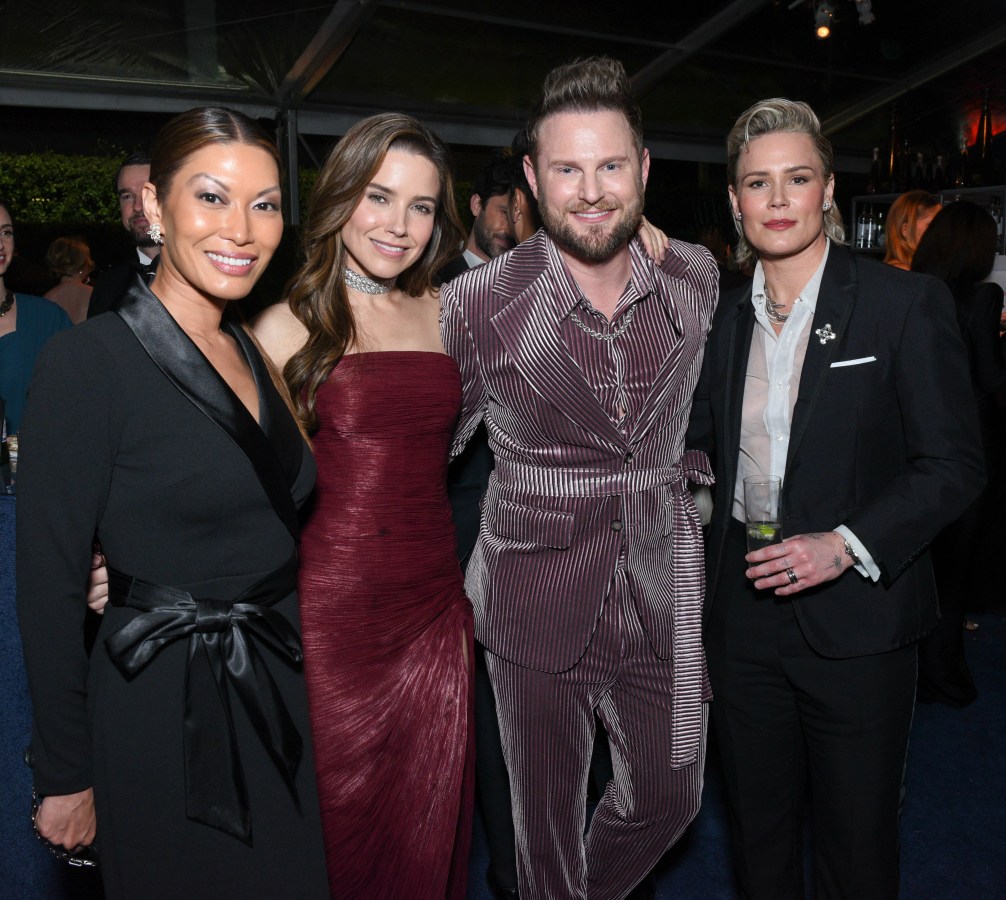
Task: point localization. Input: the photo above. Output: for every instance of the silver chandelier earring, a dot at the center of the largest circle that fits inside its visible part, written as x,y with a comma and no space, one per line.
155,233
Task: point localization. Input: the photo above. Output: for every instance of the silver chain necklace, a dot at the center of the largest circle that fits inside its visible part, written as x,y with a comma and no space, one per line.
364,284
602,336
772,309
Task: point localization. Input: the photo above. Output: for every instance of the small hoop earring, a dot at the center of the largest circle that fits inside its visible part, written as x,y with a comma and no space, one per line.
155,233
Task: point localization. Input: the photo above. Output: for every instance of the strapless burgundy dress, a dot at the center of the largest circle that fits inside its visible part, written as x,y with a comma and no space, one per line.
387,631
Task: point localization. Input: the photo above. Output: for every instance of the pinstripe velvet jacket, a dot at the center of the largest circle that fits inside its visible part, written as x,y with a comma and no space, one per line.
573,496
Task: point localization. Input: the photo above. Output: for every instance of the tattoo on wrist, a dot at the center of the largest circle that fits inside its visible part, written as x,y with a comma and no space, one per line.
816,535
836,563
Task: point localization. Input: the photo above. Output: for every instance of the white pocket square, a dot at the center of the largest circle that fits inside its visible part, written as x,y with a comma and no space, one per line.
853,362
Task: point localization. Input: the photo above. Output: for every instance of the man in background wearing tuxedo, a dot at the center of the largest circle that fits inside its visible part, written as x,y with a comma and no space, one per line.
129,180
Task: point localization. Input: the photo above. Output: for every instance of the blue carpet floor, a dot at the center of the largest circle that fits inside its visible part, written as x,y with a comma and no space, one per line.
953,823
953,828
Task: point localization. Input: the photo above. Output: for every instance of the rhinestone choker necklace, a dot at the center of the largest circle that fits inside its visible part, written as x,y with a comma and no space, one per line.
366,285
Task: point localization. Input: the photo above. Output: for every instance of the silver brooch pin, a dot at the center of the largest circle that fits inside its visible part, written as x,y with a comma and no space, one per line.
825,334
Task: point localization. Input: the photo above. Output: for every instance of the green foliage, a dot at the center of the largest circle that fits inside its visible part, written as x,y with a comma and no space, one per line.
54,188
49,187
306,179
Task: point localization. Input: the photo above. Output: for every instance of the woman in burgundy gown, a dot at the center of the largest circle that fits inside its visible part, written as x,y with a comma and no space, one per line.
386,625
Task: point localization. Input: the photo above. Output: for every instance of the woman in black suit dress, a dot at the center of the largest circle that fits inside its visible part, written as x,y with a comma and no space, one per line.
960,249
156,430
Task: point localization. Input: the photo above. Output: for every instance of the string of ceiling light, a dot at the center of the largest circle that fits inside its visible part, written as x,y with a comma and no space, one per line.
824,14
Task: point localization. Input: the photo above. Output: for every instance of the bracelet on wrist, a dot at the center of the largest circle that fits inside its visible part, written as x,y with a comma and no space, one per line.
856,561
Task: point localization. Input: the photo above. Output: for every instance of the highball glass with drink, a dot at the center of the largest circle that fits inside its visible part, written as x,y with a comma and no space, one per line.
761,510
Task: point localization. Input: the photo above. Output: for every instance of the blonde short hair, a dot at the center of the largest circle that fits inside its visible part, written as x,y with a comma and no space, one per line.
774,116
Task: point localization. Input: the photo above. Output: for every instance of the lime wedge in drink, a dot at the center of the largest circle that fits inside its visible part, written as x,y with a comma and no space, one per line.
767,531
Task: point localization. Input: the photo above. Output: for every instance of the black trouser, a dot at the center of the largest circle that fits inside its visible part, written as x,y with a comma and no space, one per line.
791,723
493,781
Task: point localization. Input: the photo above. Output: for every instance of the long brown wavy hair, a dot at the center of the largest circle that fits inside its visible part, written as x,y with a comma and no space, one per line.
316,293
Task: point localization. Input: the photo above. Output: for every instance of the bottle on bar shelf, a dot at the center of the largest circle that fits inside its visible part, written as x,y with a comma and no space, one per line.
962,178
940,173
989,167
874,184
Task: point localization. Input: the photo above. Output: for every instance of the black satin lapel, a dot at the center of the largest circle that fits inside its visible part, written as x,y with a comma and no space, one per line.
738,351
835,302
192,374
528,328
275,418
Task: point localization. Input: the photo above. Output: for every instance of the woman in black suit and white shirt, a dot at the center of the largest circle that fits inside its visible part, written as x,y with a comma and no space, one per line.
846,378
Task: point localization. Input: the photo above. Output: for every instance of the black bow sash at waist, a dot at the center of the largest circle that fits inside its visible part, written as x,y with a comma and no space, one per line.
220,656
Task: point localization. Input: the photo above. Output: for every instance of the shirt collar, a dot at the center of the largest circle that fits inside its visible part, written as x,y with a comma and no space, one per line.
473,259
568,293
143,258
810,290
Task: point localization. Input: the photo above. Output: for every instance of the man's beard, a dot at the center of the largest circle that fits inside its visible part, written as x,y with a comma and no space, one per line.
597,243
141,234
485,240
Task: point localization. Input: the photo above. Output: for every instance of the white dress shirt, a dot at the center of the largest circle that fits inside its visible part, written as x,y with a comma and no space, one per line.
772,382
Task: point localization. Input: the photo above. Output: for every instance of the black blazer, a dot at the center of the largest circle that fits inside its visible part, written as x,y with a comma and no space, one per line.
451,269
888,446
153,455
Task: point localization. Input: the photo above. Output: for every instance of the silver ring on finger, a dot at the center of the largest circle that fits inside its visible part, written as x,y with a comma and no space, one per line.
791,575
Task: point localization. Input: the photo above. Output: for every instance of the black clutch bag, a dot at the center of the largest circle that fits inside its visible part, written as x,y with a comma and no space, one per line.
81,858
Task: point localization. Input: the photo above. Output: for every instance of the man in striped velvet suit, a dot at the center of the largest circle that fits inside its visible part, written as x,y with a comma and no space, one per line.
581,356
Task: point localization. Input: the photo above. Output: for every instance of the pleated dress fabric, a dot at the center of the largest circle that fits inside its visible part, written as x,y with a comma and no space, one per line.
386,627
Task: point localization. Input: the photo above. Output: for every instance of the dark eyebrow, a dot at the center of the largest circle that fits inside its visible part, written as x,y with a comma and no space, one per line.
388,190
227,187
570,164
789,169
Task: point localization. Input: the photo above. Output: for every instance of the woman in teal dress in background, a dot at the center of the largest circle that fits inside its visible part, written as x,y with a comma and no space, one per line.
26,323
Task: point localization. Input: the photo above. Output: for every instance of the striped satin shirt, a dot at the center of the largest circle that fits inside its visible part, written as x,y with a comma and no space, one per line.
621,370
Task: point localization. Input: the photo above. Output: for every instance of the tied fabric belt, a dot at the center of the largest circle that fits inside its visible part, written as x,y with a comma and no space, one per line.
221,658
560,481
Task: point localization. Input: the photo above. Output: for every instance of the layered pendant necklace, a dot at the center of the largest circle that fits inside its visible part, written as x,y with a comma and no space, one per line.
365,284
772,310
8,302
